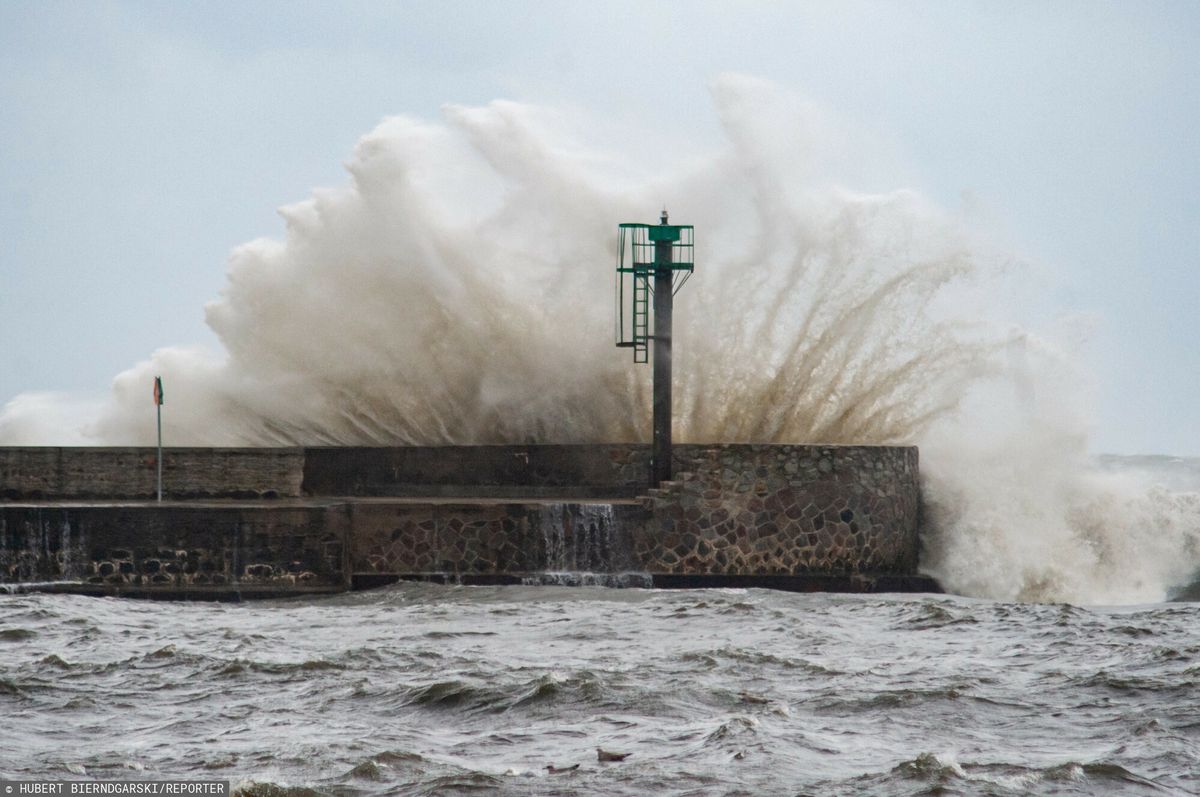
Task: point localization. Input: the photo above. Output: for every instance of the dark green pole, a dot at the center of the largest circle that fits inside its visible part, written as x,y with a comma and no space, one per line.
159,458
660,465
158,402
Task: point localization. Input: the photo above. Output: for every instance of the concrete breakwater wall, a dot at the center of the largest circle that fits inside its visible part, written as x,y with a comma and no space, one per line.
50,473
544,471
803,517
199,549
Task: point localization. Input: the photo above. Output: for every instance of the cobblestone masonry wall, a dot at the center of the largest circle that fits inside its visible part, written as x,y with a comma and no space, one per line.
736,510
32,473
770,510
493,537
176,547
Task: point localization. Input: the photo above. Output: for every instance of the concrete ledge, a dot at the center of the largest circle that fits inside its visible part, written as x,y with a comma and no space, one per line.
230,594
853,583
367,581
813,582
363,581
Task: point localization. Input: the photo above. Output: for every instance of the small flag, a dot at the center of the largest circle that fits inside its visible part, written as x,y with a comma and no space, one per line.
158,393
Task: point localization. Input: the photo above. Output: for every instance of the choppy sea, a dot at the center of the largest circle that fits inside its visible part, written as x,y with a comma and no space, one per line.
426,689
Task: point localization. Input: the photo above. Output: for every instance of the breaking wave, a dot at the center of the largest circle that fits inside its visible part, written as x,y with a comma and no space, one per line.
457,291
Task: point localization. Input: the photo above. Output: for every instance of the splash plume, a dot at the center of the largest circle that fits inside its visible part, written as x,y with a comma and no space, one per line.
457,291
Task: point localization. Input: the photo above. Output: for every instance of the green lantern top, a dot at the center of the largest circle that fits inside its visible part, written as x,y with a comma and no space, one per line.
643,250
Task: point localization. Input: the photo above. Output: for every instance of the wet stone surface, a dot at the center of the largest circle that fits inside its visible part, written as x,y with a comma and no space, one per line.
776,510
178,547
492,538
736,510
732,510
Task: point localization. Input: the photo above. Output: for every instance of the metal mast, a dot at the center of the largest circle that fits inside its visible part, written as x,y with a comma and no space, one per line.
660,463
653,260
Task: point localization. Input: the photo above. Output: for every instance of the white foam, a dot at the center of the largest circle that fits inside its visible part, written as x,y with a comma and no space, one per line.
457,291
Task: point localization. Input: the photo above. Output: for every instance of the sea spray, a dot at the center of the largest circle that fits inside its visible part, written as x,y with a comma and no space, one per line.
456,291
1016,509
410,308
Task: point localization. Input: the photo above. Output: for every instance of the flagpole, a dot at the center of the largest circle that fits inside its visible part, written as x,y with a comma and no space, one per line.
158,412
159,408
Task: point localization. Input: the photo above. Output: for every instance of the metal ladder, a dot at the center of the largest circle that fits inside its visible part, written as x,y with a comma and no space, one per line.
641,315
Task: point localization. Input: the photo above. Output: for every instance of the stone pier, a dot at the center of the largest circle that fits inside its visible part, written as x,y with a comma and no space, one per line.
242,523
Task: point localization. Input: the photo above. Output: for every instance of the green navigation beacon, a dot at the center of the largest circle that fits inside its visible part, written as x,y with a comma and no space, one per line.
653,260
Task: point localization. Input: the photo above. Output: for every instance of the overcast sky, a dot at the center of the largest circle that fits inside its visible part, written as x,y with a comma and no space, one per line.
141,141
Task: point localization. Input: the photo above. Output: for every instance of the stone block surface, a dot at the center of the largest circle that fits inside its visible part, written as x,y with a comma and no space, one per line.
491,538
780,510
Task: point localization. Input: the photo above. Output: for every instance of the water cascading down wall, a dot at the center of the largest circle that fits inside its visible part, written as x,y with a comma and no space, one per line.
248,522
